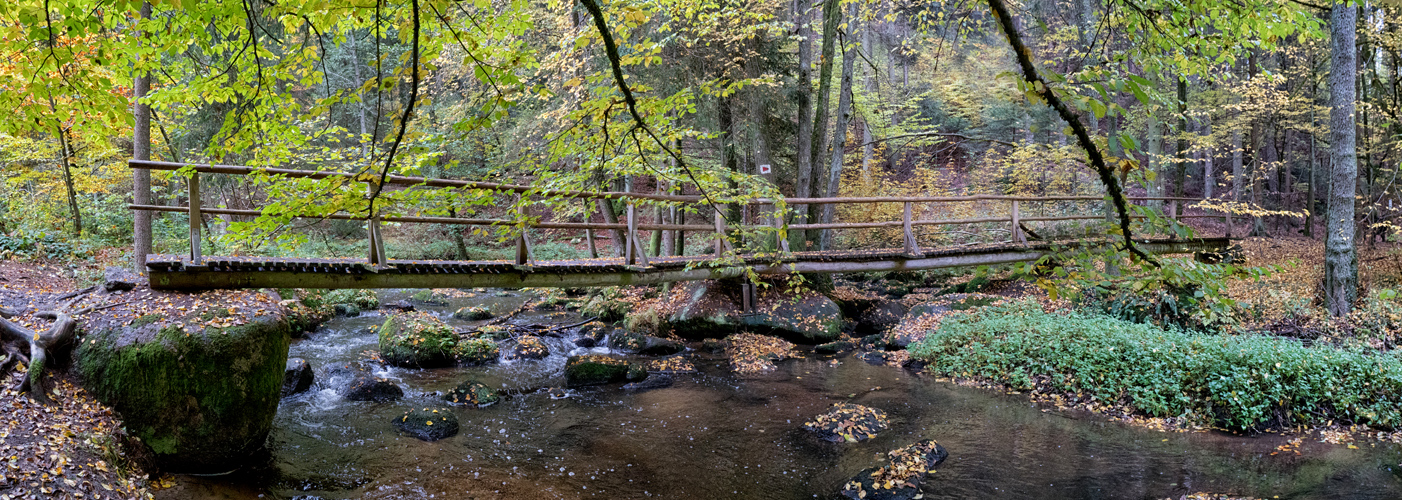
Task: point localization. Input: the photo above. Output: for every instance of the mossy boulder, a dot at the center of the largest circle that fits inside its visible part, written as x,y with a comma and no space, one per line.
476,351
473,313
594,369
417,340
491,332
305,309
472,393
628,340
363,299
350,310
609,305
429,297
531,347
202,399
428,424
880,317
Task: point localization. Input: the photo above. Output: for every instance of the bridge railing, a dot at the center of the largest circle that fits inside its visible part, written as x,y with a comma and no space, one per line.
634,253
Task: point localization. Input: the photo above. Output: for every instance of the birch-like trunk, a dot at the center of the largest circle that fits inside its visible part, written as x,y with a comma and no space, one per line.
1340,247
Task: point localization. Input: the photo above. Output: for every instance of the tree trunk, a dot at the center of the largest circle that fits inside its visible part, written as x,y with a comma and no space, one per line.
1181,169
1209,178
1340,247
141,150
867,146
832,15
67,149
1153,163
610,217
803,183
839,134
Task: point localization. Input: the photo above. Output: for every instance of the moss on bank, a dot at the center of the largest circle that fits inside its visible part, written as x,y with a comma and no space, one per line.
1240,382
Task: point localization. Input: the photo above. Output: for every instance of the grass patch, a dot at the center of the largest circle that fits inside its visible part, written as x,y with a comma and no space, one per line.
1245,382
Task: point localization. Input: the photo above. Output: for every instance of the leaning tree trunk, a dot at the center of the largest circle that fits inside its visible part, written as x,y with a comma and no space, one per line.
839,134
1340,248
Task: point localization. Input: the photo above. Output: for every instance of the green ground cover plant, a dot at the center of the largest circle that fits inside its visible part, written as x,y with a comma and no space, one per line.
1242,382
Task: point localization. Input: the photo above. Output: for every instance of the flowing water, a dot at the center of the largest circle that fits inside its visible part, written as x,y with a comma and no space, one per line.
712,435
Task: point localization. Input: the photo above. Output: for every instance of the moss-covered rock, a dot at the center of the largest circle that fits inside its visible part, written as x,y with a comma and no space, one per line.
472,393
594,369
591,333
350,310
491,332
473,313
476,351
305,309
609,305
429,297
531,347
627,340
417,339
363,299
203,399
428,424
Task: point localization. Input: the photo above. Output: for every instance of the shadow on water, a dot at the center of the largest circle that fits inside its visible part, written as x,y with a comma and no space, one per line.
712,435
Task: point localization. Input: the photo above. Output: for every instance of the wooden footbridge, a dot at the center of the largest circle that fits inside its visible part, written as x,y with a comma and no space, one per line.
194,271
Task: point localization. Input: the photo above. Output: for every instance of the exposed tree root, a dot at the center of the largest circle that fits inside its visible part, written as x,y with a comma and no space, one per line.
60,335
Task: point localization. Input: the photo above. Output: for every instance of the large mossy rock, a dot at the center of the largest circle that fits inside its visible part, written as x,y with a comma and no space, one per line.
711,308
201,396
417,340
594,369
365,300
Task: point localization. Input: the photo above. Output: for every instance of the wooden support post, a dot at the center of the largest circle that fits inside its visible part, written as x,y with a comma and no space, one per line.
747,298
524,255
589,235
195,220
1018,237
721,244
372,227
635,255
1173,210
779,233
912,247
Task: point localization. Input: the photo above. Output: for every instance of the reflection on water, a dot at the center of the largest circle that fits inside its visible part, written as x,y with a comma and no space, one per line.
714,436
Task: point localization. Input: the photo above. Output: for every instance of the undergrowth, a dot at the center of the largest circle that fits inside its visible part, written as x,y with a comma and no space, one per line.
1243,382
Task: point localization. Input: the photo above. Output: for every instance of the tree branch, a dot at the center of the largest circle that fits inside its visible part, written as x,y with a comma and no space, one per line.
1107,177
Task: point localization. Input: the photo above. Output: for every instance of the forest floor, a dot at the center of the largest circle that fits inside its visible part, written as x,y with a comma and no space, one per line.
73,449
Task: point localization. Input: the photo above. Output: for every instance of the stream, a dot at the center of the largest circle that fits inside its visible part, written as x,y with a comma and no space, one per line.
713,435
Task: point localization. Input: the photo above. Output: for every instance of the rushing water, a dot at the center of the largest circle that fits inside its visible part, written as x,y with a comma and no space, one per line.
712,435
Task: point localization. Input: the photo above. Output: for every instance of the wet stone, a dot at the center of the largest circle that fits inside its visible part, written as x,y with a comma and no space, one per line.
900,478
594,369
369,388
834,347
848,422
350,310
473,313
428,424
671,364
298,377
119,279
657,381
591,334
472,393
399,305
655,346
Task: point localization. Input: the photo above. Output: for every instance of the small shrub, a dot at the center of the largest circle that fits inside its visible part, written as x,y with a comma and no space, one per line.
1241,382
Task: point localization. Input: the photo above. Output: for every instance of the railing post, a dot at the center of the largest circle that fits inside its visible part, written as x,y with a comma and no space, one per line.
524,255
780,234
589,235
912,247
1173,210
377,244
1018,237
635,255
721,244
195,219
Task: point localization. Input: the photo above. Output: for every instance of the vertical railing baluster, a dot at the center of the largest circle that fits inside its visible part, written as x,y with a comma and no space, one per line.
912,247
720,232
195,219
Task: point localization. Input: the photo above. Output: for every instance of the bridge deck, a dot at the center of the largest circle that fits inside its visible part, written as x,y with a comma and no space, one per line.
171,272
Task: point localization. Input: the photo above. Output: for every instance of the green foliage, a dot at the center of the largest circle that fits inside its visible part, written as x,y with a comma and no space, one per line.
1240,382
31,244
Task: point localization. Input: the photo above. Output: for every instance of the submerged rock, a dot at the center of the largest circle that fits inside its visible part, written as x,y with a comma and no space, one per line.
472,393
473,313
671,364
835,347
848,422
657,381
297,378
594,369
591,334
429,297
399,305
900,478
201,397
417,340
370,388
428,424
